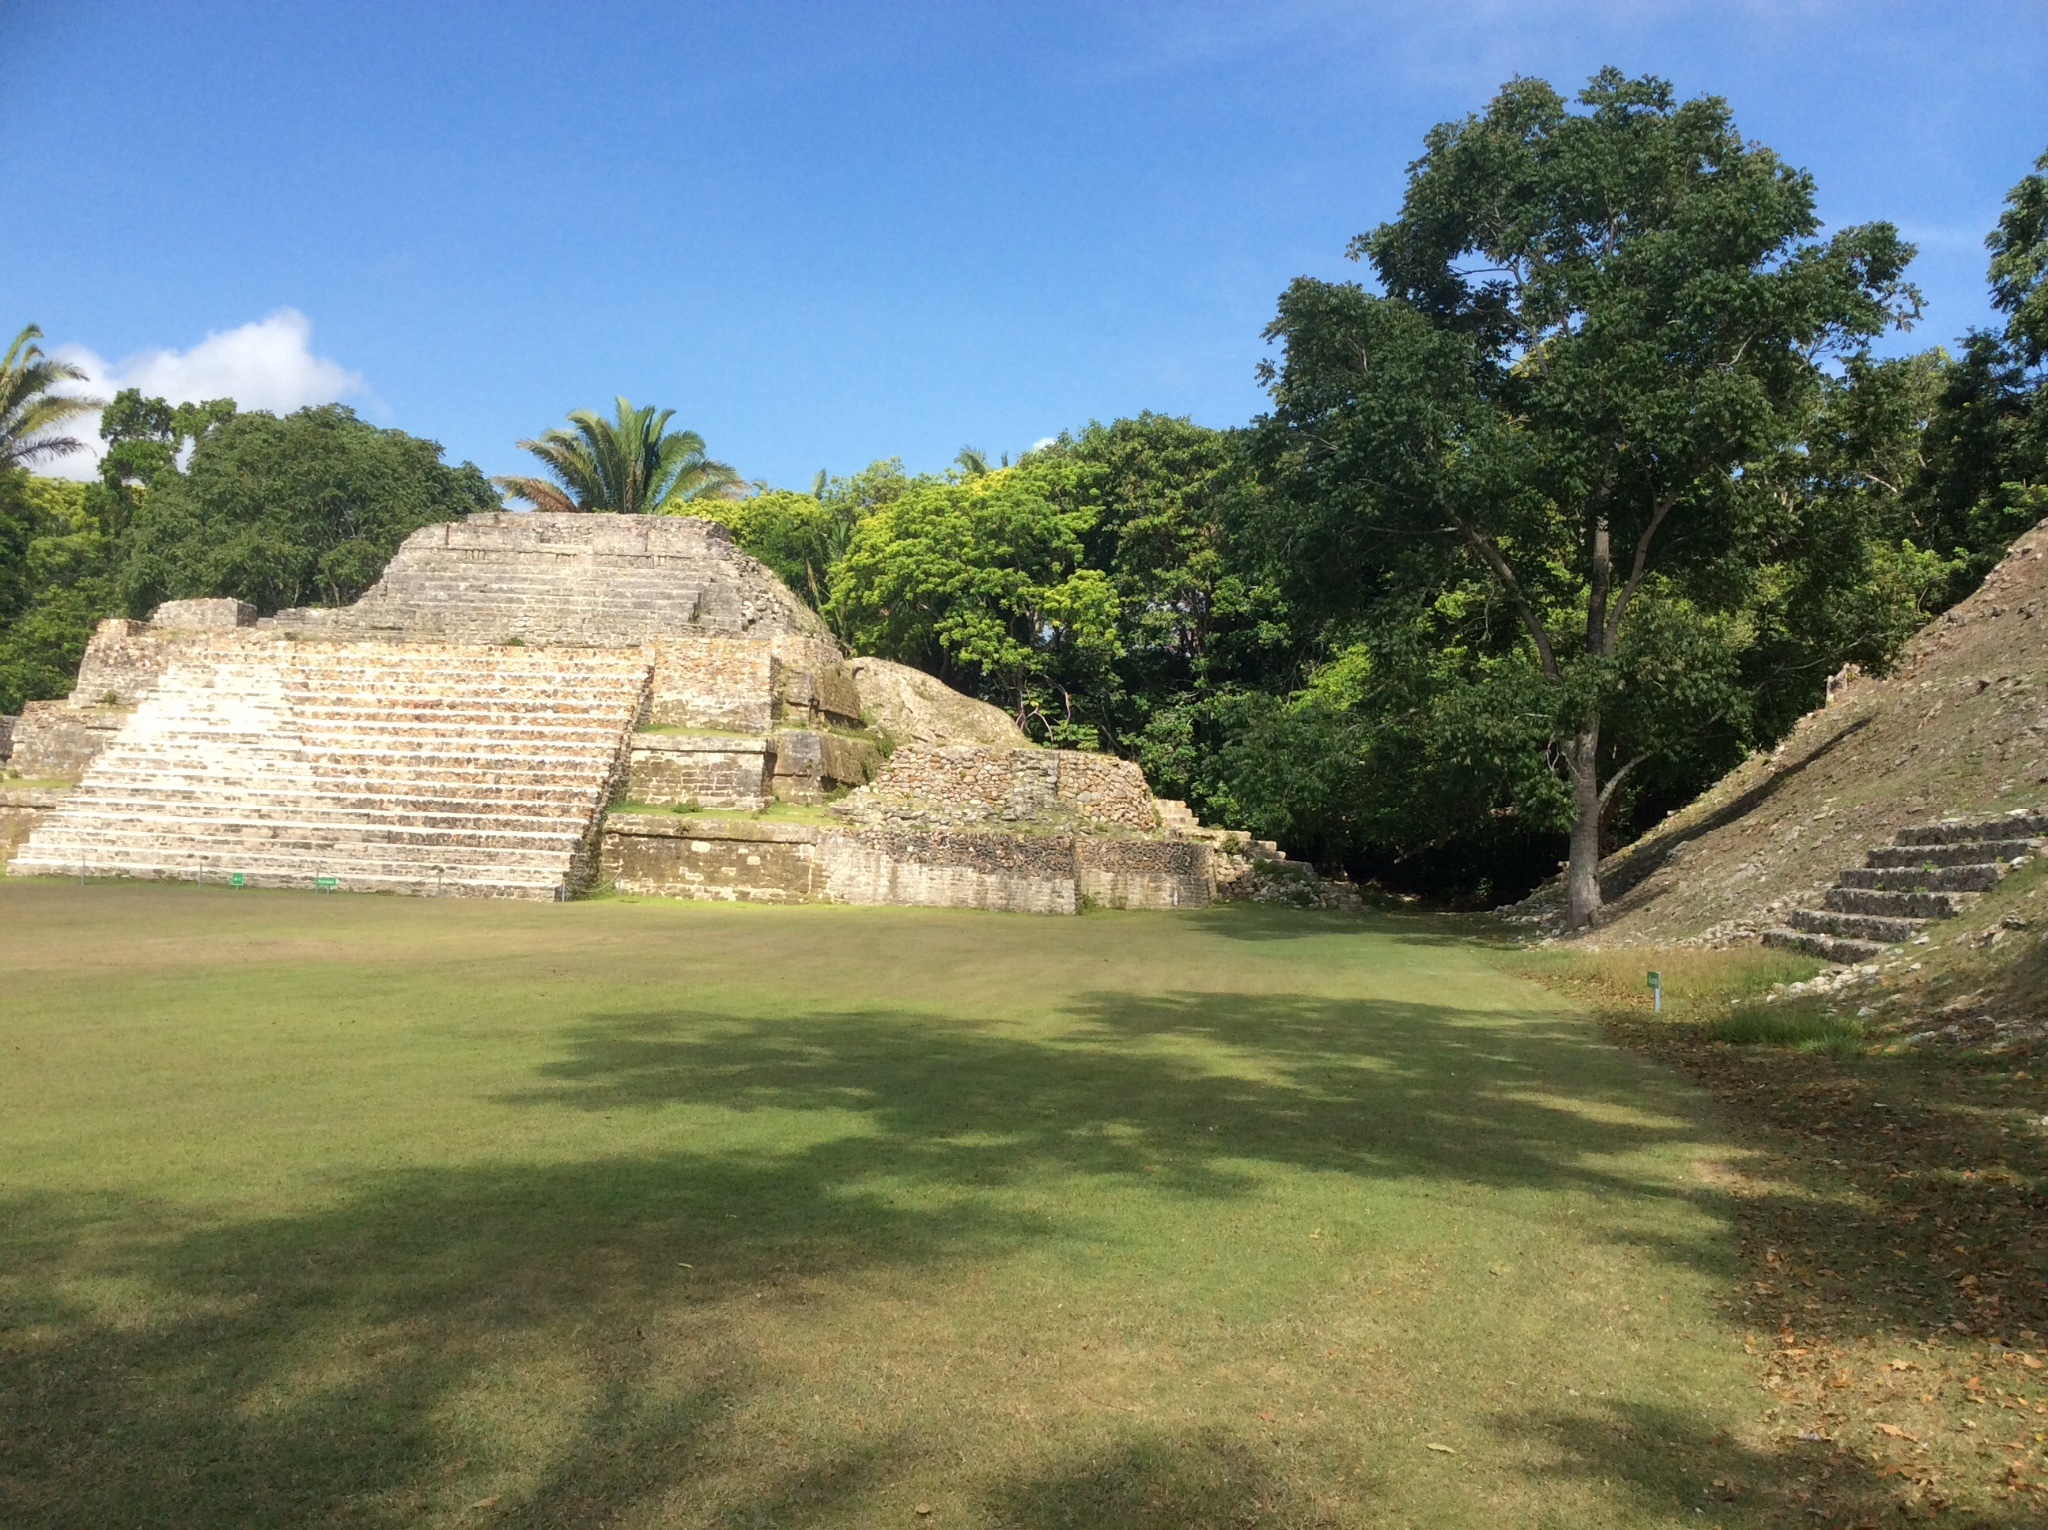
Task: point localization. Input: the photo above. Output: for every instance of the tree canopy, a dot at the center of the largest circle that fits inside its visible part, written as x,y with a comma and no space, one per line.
300,510
1594,323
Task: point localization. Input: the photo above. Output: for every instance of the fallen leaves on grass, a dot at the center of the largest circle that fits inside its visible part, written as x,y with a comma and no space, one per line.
1885,1203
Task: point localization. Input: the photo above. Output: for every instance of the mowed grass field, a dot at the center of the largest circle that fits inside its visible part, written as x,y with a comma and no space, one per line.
378,1212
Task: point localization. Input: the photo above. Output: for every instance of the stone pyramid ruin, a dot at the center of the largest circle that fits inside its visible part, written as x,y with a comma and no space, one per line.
533,706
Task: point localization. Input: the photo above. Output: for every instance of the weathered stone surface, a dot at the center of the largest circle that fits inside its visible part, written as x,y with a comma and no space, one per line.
722,860
914,708
711,681
203,615
7,722
376,767
1145,873
969,784
763,861
55,741
21,809
597,580
710,770
809,765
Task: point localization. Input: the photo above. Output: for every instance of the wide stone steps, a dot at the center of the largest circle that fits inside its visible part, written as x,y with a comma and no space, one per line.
1872,927
1928,872
464,770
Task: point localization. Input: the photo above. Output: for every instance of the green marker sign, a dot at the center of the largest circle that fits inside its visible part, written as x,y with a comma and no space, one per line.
1657,990
238,880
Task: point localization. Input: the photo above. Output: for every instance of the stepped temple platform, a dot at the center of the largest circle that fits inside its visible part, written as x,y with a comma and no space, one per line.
537,706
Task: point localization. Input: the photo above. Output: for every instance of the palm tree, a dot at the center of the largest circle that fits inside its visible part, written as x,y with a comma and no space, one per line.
29,410
632,465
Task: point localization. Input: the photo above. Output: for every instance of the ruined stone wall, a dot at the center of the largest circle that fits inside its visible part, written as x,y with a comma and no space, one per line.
1145,873
21,809
714,682
1105,789
592,580
55,741
1008,873
672,769
970,783
764,861
722,860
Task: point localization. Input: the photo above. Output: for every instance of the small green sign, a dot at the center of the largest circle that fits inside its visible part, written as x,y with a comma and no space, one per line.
1656,980
238,880
326,884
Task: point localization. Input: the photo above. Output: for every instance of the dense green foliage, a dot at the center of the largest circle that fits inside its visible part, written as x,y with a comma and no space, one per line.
1606,448
301,510
278,512
54,585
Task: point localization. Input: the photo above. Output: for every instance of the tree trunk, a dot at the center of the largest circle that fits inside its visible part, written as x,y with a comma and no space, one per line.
1582,876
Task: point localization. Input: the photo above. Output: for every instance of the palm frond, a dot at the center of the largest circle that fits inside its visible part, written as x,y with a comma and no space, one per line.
29,411
537,492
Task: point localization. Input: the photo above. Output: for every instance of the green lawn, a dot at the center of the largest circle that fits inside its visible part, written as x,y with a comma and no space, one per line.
366,1211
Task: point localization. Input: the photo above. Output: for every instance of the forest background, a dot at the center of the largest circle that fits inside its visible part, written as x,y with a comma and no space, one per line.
1369,623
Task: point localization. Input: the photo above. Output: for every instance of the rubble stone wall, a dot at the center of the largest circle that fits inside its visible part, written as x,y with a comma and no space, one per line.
1145,873
973,783
55,741
1105,789
714,682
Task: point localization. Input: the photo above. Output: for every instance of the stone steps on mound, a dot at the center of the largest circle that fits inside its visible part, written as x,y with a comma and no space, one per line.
1928,872
473,771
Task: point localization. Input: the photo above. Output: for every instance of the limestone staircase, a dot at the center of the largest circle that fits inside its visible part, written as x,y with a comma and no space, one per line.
1932,871
359,766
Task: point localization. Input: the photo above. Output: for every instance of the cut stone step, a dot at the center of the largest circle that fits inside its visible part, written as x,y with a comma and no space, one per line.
2027,825
1961,853
1980,878
1829,948
1873,927
1896,905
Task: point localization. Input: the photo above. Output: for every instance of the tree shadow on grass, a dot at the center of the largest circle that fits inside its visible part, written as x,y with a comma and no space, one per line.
1186,1090
319,1366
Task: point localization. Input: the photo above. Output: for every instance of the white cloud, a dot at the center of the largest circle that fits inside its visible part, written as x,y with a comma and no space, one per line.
265,365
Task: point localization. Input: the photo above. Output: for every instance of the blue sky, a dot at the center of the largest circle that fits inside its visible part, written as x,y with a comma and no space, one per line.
826,233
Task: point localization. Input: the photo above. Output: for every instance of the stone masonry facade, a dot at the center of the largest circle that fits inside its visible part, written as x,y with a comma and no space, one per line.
525,705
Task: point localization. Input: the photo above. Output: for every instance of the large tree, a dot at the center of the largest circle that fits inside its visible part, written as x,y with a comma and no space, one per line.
283,512
630,465
1594,323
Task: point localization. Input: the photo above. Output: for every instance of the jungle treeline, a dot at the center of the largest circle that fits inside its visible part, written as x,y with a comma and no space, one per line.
1608,460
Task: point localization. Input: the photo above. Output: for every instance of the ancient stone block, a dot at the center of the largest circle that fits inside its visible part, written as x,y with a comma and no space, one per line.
668,769
715,859
810,765
203,615
915,708
55,741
